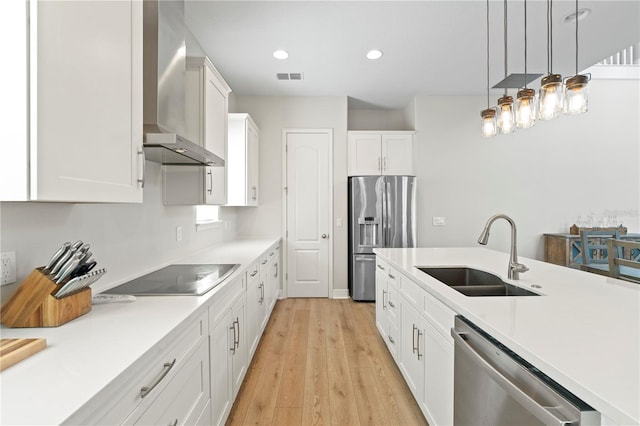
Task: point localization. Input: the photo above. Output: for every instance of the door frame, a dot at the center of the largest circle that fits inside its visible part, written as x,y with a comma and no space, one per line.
285,199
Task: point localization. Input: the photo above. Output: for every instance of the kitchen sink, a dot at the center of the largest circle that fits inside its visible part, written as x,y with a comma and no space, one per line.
475,283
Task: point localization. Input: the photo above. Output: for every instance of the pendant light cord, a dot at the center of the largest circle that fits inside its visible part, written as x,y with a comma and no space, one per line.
525,44
550,36
576,37
505,45
548,43
487,54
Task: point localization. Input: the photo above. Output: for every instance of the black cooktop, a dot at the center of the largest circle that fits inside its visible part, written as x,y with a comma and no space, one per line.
177,280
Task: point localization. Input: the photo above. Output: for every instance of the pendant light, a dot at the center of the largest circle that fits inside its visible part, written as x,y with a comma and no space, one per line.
488,116
526,100
551,91
506,117
576,94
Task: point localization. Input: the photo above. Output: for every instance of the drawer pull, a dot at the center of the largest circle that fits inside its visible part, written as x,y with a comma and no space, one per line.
391,340
391,304
272,253
384,305
393,277
165,370
236,337
253,274
261,293
418,345
174,423
263,262
413,343
380,267
233,346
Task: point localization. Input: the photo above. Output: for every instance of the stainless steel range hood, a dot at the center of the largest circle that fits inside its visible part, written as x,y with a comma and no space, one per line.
164,88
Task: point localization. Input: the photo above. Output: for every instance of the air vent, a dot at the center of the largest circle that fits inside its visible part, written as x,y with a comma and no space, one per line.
290,76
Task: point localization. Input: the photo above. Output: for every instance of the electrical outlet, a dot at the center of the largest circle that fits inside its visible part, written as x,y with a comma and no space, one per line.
8,268
178,233
438,221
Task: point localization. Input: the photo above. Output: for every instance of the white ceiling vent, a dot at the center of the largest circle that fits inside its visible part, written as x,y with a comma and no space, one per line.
290,76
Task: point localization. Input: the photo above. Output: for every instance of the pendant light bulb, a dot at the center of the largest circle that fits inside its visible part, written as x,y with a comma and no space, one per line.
551,90
526,108
506,122
488,123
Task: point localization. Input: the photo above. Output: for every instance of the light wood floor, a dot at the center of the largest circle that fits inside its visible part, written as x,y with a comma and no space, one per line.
322,362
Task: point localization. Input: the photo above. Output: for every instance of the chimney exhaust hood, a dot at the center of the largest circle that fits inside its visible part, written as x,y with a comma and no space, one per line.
164,68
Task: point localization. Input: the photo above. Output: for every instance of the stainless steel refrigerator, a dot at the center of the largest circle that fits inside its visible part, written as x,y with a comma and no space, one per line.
381,214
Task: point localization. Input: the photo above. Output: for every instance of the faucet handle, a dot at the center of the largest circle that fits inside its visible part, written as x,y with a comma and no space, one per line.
519,267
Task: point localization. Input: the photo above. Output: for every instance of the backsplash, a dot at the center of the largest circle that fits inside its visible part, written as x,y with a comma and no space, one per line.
127,239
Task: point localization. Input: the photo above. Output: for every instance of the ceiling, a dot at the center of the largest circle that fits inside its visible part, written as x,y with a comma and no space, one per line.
430,47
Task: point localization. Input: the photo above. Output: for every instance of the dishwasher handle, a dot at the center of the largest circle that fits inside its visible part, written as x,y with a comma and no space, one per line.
518,394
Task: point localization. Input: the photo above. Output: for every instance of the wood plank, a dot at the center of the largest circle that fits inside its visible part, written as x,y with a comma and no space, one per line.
291,393
13,351
368,399
316,407
288,416
342,400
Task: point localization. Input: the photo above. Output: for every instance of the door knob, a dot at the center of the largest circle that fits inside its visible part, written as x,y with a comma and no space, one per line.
324,236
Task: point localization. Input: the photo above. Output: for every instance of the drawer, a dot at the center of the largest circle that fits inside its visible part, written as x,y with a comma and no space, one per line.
184,397
225,298
253,275
124,395
440,316
412,292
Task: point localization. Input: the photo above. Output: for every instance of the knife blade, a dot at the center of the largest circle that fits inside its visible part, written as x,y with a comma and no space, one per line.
62,250
65,288
68,268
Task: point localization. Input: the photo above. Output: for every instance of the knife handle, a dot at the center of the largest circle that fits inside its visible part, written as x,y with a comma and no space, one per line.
62,250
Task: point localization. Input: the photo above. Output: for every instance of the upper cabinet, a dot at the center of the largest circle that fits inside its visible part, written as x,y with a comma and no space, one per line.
76,125
374,153
242,161
207,105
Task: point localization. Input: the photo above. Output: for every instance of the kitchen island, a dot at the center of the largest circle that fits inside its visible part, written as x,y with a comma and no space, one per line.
80,376
583,330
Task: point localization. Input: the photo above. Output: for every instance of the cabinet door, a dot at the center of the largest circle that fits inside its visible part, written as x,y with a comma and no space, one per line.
215,114
255,309
412,345
215,192
253,155
239,354
220,347
438,393
86,101
364,156
382,295
397,155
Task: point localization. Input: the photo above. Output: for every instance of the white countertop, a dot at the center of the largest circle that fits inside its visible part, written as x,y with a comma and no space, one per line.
584,332
85,355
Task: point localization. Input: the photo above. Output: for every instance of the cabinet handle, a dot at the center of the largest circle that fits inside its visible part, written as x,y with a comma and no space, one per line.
272,253
391,304
253,274
174,423
413,339
261,293
391,340
233,346
144,391
379,164
418,345
381,267
275,272
236,343
255,193
144,172
384,305
384,164
210,188
393,277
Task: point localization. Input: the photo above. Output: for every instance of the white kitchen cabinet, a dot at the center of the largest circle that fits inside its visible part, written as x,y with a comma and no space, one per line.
228,351
380,153
76,131
256,308
387,309
438,391
273,279
412,349
242,161
207,105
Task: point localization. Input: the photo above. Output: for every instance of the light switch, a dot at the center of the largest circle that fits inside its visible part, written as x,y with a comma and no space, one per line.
438,221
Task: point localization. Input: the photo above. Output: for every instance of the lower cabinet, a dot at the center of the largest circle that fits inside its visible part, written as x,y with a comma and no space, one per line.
255,307
415,326
228,351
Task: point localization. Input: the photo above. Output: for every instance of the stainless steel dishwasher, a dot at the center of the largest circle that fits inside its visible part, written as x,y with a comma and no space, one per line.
494,386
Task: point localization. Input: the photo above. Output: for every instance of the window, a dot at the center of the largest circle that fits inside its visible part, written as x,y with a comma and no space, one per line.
207,215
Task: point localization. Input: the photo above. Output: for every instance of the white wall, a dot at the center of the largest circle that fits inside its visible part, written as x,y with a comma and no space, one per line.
272,115
377,119
543,177
127,239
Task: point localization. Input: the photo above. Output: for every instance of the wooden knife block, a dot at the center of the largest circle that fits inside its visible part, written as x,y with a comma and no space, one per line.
32,305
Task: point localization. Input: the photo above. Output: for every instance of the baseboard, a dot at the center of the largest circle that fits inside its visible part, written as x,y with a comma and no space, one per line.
340,293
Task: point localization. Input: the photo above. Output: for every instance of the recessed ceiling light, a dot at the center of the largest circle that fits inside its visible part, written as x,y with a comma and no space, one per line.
579,15
374,54
280,54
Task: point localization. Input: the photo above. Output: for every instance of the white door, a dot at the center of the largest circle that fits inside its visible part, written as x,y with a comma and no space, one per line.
308,212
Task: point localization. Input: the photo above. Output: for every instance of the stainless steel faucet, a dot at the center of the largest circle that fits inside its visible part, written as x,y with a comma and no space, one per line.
515,268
